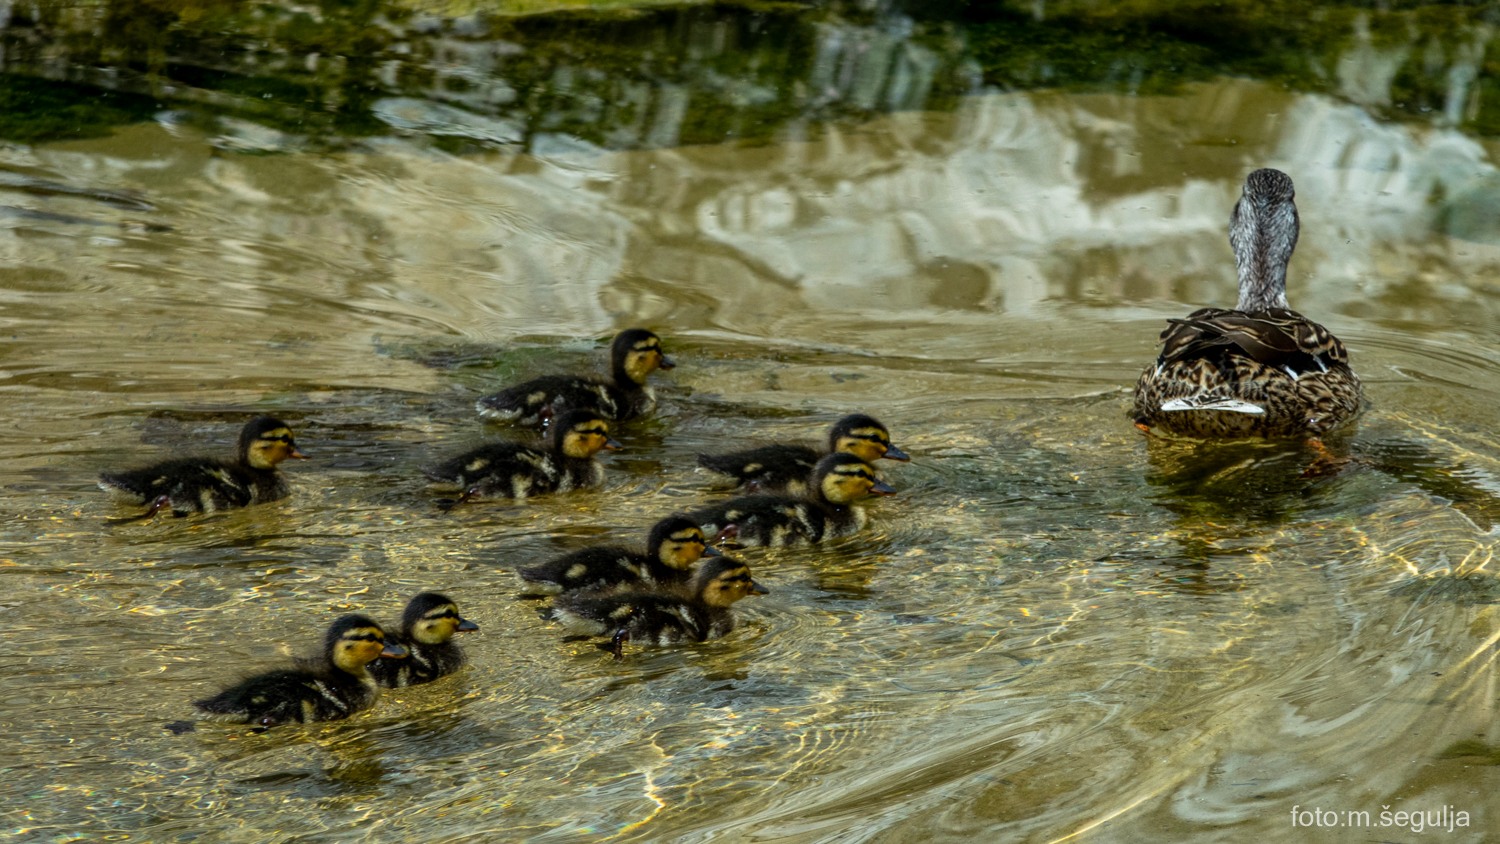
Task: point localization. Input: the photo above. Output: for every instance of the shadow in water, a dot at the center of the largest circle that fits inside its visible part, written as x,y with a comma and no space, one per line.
1438,475
1241,482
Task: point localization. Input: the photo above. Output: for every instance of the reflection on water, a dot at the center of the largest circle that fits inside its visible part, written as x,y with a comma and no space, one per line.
1055,627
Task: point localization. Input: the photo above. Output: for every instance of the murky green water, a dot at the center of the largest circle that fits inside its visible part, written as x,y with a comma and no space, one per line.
1056,629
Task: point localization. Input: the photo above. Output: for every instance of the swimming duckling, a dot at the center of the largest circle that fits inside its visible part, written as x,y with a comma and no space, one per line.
829,509
332,686
662,617
1262,369
427,628
785,468
673,546
516,470
197,485
635,354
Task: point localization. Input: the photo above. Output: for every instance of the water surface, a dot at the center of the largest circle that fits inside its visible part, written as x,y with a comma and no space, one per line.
1056,628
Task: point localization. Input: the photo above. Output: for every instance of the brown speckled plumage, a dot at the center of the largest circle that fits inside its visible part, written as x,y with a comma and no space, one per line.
1261,369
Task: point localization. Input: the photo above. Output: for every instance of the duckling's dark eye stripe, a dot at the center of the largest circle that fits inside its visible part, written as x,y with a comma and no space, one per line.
363,637
598,432
687,537
279,438
446,613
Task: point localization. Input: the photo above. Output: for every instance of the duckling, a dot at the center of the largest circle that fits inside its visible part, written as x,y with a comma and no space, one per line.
829,509
673,546
1261,369
515,470
635,354
335,685
197,485
662,617
427,628
785,468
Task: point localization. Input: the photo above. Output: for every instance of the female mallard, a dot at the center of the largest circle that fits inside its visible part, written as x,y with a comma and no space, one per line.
197,485
829,509
786,467
635,354
662,617
1262,369
516,470
335,685
427,629
673,546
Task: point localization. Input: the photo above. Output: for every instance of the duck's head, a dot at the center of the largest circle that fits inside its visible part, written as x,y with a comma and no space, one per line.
843,478
864,437
637,353
354,641
678,542
432,619
266,441
722,581
1263,232
581,434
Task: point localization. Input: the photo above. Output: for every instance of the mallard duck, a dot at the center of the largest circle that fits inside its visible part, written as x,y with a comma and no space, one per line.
1262,369
785,468
197,485
635,354
427,628
335,685
828,510
673,546
664,616
516,470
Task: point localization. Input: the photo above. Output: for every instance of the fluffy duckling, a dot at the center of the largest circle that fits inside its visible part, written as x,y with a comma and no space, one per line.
662,617
635,354
427,629
673,546
829,509
197,485
785,468
516,470
335,685
1261,369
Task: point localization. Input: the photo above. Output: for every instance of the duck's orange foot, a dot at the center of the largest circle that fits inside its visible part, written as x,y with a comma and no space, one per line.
1325,463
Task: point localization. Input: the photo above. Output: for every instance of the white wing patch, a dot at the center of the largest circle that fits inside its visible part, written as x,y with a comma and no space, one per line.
1210,403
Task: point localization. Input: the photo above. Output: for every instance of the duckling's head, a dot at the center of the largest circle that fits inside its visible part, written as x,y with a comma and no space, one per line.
354,641
864,437
266,441
637,353
432,619
844,479
581,434
722,581
678,542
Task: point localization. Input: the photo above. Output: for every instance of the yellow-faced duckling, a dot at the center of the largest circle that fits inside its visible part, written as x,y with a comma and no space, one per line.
673,546
427,629
829,509
664,616
335,685
635,354
517,470
1261,369
197,485
785,468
